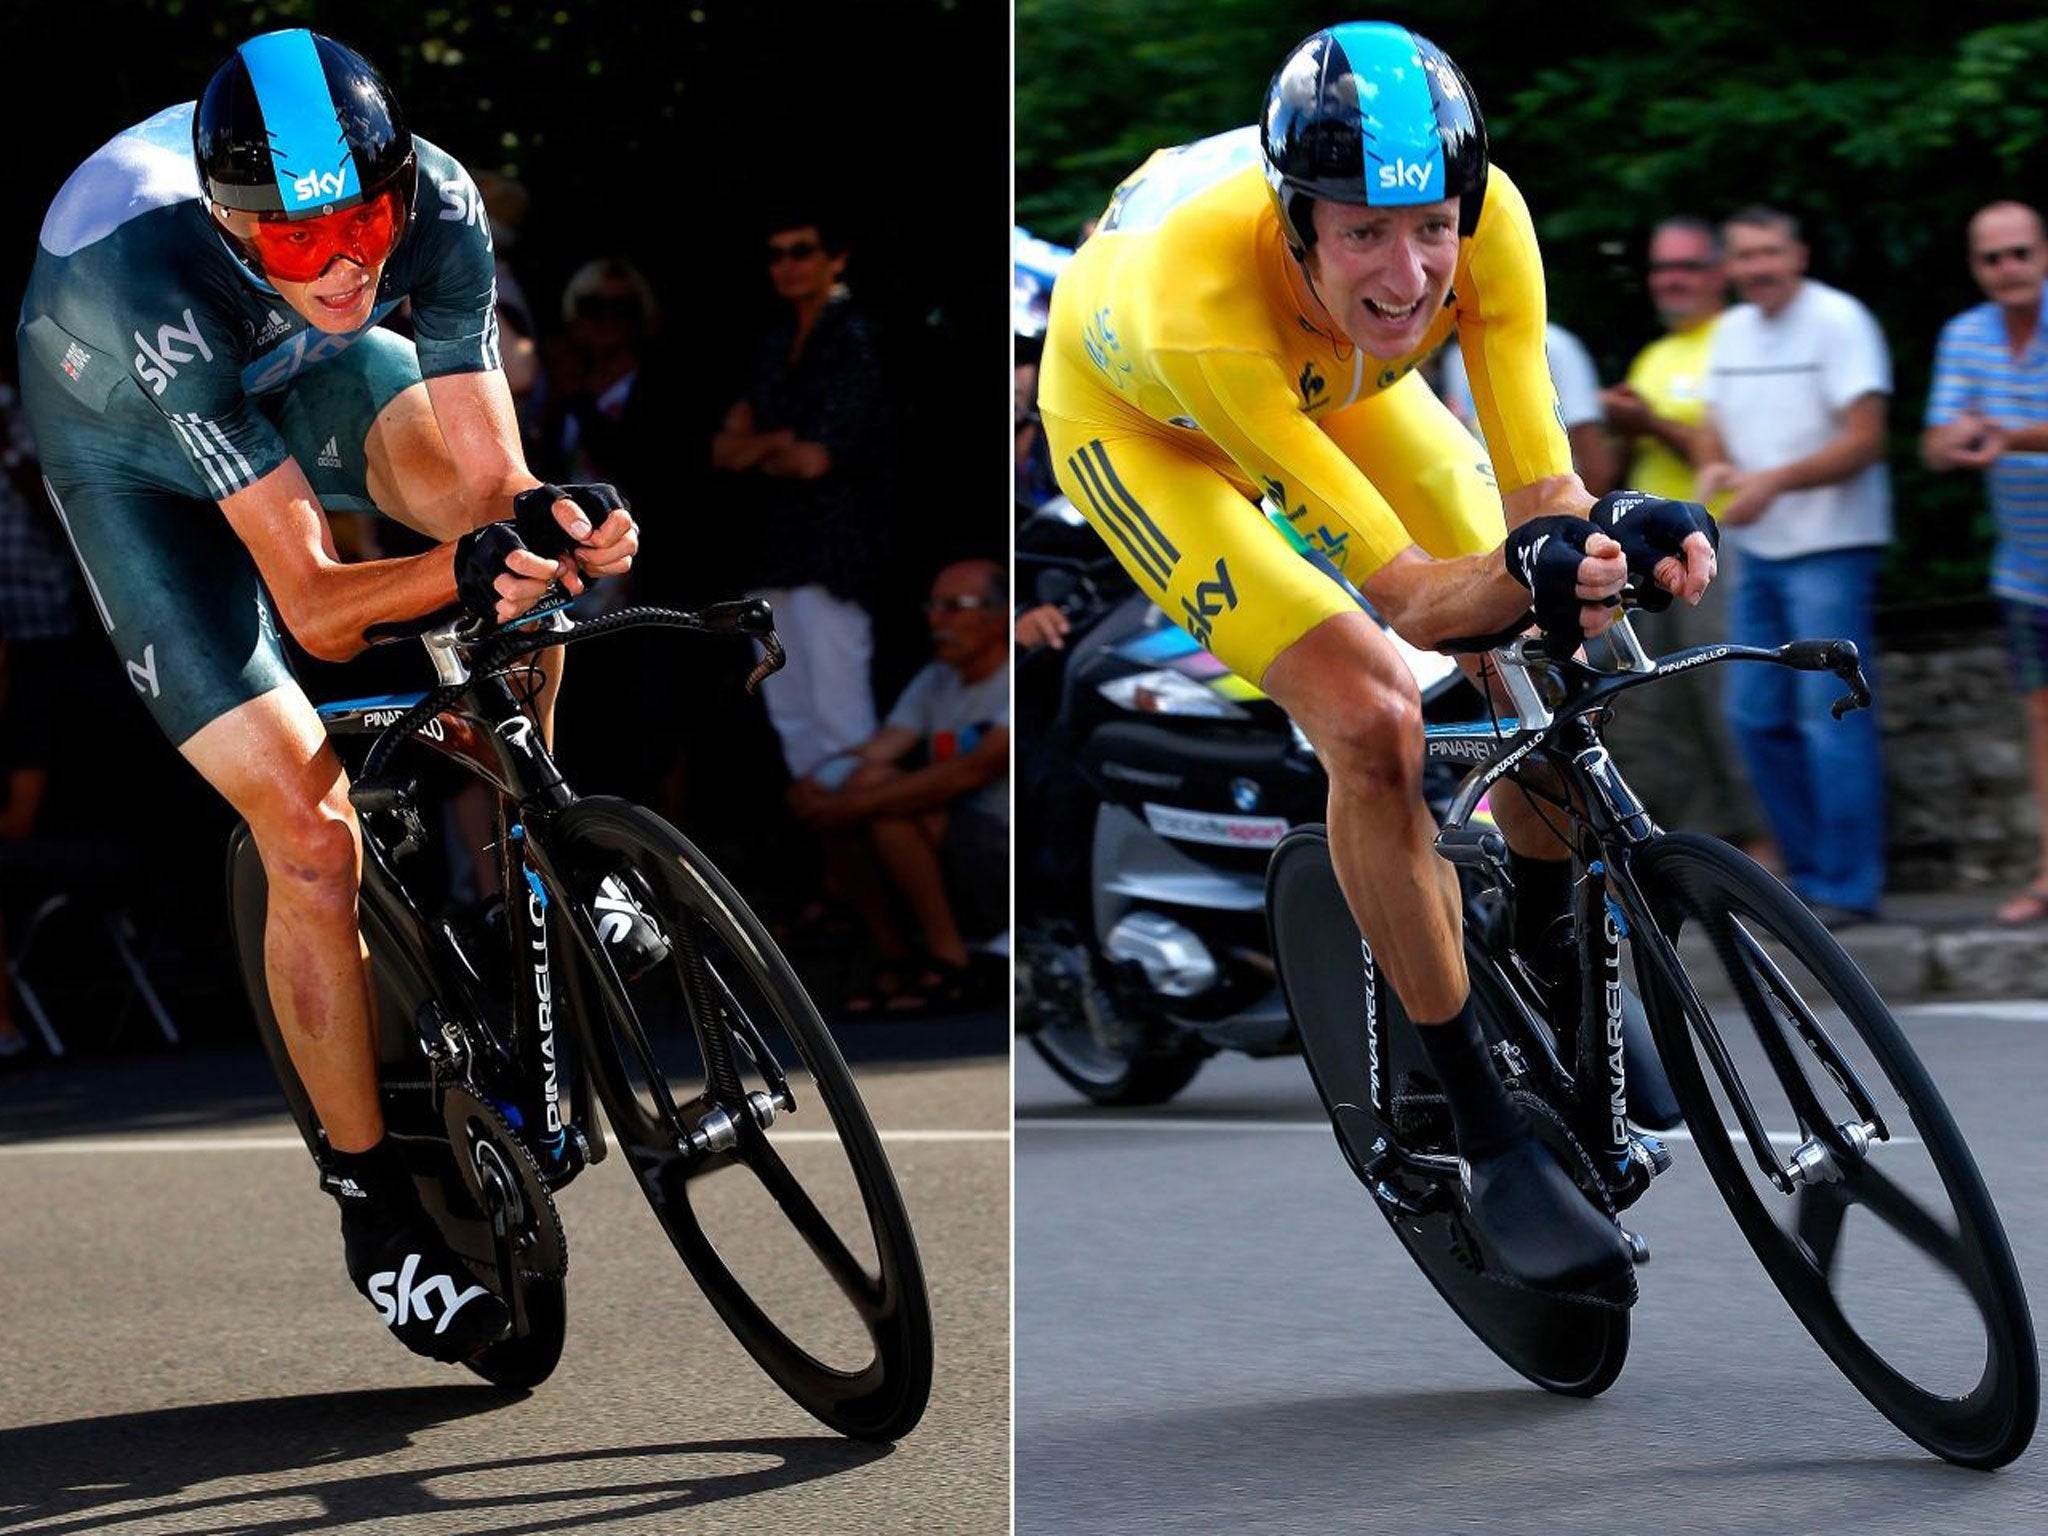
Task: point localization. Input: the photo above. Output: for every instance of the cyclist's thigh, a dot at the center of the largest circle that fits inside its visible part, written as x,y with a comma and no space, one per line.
1194,542
270,759
179,596
1433,472
325,416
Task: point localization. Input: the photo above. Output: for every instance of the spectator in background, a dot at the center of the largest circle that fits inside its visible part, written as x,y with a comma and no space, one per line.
1036,483
1797,383
505,205
1674,740
39,636
603,418
607,415
937,822
805,451
1577,383
1988,410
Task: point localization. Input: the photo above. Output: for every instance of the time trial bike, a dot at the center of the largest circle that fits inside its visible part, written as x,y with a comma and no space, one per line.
614,968
1808,1107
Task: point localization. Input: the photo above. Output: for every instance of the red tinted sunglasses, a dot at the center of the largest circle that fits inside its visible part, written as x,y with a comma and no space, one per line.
299,250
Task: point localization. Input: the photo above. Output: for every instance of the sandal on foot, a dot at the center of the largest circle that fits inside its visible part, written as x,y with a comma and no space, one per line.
942,987
2027,907
884,986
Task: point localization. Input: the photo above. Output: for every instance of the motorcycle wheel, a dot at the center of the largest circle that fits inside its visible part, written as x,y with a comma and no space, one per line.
1076,1031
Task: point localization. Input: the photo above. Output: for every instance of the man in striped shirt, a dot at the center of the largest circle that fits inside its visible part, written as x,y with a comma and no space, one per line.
1988,410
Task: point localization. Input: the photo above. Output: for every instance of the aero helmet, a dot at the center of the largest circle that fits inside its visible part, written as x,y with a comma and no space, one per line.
293,131
1370,113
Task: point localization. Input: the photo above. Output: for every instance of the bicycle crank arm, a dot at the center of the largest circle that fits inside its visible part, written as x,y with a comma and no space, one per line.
1386,1158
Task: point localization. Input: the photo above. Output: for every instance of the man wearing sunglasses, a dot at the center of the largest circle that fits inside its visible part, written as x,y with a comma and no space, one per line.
1676,739
201,364
1988,410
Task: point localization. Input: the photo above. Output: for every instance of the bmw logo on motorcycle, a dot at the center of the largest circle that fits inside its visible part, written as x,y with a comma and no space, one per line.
1245,794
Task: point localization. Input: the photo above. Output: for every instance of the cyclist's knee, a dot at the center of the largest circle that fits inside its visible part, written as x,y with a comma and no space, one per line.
311,850
1370,739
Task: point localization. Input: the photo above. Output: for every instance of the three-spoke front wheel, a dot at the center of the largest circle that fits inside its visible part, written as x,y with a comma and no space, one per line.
1835,1152
746,1133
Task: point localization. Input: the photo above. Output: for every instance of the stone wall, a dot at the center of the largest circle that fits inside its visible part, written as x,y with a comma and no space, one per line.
1962,811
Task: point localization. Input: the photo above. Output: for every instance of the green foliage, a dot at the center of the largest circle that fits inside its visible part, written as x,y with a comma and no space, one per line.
1882,136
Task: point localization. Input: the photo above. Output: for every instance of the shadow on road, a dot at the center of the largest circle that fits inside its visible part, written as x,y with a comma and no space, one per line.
321,1463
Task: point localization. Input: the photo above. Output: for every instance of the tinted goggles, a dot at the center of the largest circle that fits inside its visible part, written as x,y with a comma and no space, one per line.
299,250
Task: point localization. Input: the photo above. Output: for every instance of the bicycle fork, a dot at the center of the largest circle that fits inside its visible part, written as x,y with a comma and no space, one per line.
537,1054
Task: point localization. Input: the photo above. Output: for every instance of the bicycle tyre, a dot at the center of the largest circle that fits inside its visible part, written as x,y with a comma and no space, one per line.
1695,882
1566,1346
884,1398
517,1363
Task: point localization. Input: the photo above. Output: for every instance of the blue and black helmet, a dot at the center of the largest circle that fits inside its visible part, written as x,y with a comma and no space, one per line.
296,125
1371,113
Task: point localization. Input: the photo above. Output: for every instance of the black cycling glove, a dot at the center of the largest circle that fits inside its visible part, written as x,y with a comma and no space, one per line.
1651,529
1543,555
533,512
480,557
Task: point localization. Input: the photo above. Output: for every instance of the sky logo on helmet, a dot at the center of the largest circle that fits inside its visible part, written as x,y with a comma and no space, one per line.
318,186
1404,175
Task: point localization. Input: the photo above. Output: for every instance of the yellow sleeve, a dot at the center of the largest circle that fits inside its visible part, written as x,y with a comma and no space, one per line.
1501,316
1244,404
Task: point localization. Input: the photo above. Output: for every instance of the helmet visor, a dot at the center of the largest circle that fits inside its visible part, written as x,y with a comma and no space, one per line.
299,250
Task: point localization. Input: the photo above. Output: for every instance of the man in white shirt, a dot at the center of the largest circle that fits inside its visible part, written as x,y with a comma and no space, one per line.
1798,380
1577,383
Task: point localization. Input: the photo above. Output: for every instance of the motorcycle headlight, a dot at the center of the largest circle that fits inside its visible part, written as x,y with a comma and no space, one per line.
1169,693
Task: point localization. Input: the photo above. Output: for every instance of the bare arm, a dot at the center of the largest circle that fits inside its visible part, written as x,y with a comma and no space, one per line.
1431,601
330,605
25,788
1631,415
1850,451
1858,445
737,445
929,789
480,424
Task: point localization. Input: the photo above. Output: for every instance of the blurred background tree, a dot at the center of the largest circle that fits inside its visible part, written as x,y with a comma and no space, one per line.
1881,129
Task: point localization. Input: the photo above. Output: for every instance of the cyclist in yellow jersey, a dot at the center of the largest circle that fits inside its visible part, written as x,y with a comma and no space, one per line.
1246,322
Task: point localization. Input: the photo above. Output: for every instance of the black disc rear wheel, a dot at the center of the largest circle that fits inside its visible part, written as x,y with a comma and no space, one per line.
1886,1244
1576,1348
790,1221
530,1356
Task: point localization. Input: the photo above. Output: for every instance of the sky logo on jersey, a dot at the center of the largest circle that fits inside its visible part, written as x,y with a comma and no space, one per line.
158,365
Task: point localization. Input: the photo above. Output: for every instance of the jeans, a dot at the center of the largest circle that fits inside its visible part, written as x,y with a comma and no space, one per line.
1821,780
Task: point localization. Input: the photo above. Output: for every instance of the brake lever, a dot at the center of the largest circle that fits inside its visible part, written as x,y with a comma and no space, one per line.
1839,657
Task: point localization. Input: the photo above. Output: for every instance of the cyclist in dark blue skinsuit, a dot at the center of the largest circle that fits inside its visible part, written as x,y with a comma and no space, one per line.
201,363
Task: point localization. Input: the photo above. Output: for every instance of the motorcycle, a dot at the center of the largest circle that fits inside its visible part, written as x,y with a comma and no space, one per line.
1154,785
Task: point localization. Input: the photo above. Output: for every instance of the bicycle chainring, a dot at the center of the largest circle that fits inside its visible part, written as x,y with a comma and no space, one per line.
484,1143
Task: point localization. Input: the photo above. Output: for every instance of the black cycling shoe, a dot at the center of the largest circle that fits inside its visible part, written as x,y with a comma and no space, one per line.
1555,971
427,1296
1536,1226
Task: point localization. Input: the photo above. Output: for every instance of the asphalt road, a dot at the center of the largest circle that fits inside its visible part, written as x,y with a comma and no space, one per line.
1216,1330
182,1350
